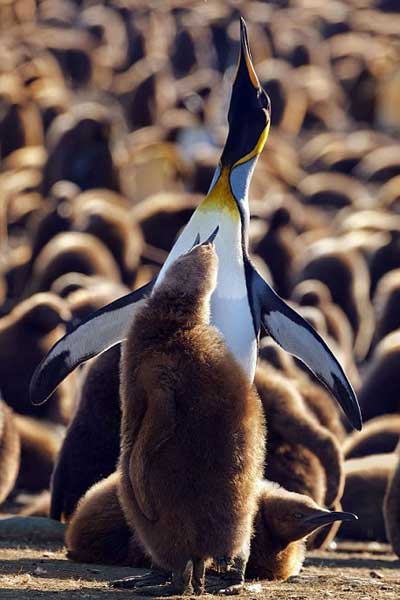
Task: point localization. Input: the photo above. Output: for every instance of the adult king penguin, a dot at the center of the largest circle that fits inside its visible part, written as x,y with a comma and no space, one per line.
242,301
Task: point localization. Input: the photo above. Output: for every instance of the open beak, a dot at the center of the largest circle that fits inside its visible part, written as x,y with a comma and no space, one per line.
325,517
211,238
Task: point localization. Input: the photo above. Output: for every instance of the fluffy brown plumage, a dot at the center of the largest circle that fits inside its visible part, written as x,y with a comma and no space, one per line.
366,482
386,302
9,451
98,531
192,432
296,440
382,374
72,251
391,507
378,436
40,444
26,334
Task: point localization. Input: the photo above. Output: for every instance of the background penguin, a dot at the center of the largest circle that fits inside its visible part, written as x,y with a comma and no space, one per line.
346,275
72,252
391,507
9,451
381,374
365,487
90,449
162,215
379,436
312,292
385,259
292,427
386,301
40,443
112,225
79,149
321,404
170,345
26,333
278,248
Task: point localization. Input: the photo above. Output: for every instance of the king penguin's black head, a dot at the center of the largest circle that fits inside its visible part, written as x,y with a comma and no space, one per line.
249,110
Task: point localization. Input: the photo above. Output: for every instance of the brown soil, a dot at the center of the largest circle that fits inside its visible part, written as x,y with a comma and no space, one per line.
351,572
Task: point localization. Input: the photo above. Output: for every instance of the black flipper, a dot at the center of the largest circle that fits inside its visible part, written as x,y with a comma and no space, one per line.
104,328
297,337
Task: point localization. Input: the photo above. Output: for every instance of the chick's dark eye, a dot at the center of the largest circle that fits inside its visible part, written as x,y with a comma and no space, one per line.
297,515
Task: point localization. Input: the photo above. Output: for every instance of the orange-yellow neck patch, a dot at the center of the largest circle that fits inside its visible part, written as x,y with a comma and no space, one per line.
220,198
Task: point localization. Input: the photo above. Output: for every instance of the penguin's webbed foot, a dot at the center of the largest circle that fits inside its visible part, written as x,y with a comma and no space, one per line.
229,583
222,564
157,577
163,590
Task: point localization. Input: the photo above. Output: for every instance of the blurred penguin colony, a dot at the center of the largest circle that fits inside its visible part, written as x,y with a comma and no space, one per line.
112,119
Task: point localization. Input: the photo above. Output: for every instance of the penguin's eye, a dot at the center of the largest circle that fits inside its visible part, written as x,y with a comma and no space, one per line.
297,515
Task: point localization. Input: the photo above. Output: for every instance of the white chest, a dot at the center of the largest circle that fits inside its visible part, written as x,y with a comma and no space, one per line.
230,309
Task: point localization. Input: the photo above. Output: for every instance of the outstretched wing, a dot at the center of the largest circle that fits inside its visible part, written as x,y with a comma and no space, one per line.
297,337
101,330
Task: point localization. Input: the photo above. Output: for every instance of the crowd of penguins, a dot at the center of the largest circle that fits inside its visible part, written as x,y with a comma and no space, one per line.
112,119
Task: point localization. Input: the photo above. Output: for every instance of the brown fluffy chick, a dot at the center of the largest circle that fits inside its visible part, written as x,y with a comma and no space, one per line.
40,443
366,483
98,531
293,433
391,507
192,432
381,375
9,451
378,436
282,524
317,398
26,335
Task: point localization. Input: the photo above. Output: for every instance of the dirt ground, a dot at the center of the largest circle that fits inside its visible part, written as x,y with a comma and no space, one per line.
352,571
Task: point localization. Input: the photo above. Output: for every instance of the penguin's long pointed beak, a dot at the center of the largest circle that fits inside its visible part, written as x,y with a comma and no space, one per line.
325,517
249,110
245,59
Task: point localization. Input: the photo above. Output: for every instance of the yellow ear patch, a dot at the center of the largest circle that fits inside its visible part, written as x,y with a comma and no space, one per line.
257,148
220,198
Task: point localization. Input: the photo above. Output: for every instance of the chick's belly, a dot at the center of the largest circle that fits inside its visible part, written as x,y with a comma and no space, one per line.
198,502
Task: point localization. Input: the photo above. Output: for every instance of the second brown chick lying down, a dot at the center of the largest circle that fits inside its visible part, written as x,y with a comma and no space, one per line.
98,531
